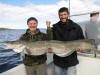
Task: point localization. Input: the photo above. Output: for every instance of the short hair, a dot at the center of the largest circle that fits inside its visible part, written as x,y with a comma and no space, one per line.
63,9
94,13
32,18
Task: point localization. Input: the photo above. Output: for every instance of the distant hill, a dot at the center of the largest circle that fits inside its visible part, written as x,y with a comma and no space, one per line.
5,29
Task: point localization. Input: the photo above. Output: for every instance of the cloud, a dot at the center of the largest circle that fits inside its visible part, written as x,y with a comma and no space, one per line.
83,6
16,16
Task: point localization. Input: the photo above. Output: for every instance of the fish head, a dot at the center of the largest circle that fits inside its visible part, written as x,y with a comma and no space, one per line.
11,44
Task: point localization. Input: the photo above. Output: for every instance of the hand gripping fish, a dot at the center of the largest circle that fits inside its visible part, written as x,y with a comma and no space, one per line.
60,48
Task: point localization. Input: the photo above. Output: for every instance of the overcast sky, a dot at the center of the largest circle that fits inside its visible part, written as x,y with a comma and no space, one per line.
14,13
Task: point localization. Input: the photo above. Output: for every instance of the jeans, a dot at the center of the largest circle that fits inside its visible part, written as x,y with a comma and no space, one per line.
50,69
63,71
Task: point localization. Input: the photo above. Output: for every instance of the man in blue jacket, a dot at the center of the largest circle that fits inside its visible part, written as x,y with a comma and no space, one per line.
92,28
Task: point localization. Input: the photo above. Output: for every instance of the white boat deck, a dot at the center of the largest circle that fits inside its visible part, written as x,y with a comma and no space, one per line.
86,66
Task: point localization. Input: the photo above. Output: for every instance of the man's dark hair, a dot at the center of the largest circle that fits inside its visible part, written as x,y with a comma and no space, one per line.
63,9
92,14
32,18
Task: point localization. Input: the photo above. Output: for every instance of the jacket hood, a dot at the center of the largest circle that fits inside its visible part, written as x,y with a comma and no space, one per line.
68,25
29,32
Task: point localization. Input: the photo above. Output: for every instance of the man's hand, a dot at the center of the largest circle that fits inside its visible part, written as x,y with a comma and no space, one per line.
48,23
49,50
79,49
98,36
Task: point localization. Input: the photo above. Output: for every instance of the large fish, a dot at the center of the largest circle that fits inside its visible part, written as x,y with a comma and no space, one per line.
59,48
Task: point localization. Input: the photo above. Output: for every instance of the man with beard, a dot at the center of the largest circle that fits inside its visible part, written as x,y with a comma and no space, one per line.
66,30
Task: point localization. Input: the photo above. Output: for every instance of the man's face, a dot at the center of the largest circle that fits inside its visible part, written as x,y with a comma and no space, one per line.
32,25
95,17
63,16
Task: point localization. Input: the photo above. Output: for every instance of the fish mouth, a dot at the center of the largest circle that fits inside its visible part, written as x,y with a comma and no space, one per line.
2,46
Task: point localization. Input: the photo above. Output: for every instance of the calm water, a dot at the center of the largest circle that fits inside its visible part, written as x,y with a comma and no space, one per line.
8,58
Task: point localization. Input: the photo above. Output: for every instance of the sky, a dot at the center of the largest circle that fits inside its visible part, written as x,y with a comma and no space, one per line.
24,2
14,13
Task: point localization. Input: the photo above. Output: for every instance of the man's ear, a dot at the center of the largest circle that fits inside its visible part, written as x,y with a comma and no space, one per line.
68,16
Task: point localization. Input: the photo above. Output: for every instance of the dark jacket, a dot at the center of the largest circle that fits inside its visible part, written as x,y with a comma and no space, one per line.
68,31
31,60
38,36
